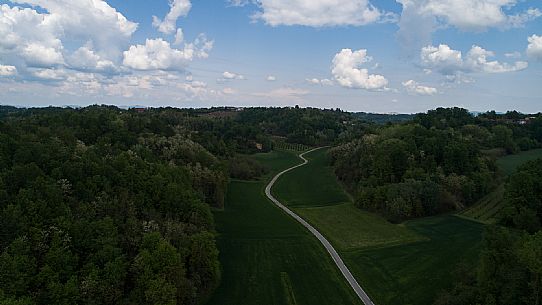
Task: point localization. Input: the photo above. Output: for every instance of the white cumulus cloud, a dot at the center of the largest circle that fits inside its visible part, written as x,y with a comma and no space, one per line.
178,9
347,71
534,49
321,82
449,62
157,54
420,18
50,74
7,70
231,76
414,87
179,37
316,13
85,59
44,34
37,55
271,78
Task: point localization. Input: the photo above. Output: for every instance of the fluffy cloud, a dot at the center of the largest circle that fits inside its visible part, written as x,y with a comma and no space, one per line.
231,76
413,87
179,37
347,71
157,54
7,70
85,59
534,49
85,20
476,14
50,74
316,13
321,82
37,36
271,78
37,55
420,18
442,58
477,62
450,62
178,8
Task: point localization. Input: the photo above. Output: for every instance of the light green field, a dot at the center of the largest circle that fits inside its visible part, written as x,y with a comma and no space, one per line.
396,264
348,227
281,144
311,185
267,257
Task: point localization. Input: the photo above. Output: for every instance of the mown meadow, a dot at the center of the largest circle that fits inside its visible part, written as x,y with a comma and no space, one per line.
406,263
267,257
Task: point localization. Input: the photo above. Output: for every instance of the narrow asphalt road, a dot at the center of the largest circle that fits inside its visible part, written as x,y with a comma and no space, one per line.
334,255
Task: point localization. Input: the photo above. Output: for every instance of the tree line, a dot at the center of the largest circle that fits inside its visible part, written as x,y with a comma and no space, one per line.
509,269
441,161
102,205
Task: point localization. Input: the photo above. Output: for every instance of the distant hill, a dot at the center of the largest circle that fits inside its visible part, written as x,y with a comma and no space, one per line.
379,118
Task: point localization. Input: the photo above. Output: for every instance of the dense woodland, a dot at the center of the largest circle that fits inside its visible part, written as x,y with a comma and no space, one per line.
509,270
440,161
102,205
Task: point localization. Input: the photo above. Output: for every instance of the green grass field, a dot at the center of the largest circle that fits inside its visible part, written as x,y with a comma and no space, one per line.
397,264
267,257
487,209
311,185
349,228
509,164
414,274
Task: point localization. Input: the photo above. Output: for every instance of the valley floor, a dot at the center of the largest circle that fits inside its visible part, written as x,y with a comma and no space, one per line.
268,258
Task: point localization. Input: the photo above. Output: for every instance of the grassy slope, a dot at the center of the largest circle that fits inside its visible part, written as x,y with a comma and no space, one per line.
415,273
487,209
267,257
292,188
510,163
348,227
385,258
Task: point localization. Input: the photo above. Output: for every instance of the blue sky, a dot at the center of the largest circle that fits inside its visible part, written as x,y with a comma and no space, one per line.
358,55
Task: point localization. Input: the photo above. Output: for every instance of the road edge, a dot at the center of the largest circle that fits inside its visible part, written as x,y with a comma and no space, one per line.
327,245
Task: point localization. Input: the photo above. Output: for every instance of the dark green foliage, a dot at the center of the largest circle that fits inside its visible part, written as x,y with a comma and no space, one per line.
308,126
408,171
508,272
443,118
104,206
441,161
510,265
383,118
524,198
245,168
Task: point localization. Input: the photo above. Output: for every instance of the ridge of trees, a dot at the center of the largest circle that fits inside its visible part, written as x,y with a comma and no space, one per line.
441,161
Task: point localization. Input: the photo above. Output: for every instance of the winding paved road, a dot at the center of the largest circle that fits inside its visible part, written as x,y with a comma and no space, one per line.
334,255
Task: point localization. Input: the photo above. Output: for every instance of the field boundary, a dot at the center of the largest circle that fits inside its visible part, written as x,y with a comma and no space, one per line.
332,252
